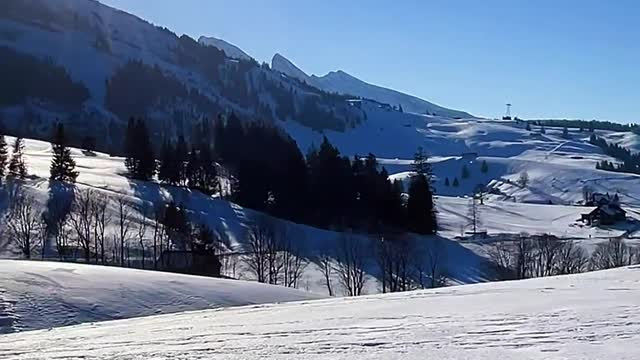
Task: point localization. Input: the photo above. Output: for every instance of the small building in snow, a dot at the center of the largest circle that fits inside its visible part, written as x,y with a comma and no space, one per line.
607,214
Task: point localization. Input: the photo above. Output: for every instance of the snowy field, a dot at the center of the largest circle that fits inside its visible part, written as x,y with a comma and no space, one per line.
586,316
558,177
42,295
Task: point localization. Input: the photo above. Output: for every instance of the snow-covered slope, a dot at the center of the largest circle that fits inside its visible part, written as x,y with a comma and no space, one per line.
41,295
343,83
231,50
588,316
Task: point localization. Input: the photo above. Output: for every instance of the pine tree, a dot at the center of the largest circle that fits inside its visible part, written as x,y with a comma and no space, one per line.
446,182
139,158
17,166
168,171
421,164
456,183
484,168
4,156
465,171
62,165
420,206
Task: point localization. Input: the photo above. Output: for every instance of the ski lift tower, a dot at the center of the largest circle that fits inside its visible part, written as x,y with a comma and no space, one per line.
508,113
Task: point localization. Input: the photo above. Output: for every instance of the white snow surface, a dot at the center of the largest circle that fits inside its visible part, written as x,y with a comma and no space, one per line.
41,295
587,316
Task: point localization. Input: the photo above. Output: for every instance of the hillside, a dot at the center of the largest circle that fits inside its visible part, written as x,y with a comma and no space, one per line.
586,316
102,66
43,295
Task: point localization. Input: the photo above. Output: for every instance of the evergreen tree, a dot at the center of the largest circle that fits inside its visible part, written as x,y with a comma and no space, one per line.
62,164
456,183
4,156
17,166
446,182
420,164
484,168
181,158
169,169
465,171
420,207
139,158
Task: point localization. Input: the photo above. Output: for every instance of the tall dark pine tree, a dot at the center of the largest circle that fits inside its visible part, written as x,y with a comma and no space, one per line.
62,165
421,163
17,166
420,207
140,160
168,170
4,156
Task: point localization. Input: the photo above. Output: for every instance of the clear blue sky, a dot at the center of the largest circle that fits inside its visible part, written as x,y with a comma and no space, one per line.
550,58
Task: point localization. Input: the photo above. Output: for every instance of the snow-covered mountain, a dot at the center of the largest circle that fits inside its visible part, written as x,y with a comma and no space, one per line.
229,49
343,83
587,316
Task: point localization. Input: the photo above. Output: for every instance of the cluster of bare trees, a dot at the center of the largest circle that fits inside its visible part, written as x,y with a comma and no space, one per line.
77,221
546,255
613,253
273,255
406,265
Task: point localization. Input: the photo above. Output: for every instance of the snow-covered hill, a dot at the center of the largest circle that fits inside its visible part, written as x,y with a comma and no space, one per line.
589,317
343,83
231,50
42,295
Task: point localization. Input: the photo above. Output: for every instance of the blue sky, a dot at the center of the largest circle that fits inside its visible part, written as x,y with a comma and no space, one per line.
551,59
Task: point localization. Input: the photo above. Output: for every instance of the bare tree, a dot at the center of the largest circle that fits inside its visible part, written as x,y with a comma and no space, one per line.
158,232
23,220
611,254
351,262
124,221
523,256
142,229
572,259
547,249
502,255
395,256
261,236
56,221
293,263
436,259
326,266
100,223
83,220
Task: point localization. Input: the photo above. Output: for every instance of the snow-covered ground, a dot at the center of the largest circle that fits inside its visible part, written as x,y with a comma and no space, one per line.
586,316
42,295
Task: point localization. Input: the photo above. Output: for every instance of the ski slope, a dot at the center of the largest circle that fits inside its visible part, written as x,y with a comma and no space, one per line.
588,316
42,295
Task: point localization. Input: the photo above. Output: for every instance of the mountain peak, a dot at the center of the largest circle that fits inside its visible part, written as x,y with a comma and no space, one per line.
285,66
229,49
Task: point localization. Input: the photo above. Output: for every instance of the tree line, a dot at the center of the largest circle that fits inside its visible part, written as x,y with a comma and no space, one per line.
545,255
630,162
269,174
